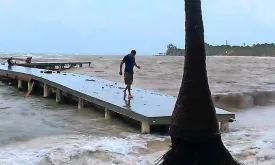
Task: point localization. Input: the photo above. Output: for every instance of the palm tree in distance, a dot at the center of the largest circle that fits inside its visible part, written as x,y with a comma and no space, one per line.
194,130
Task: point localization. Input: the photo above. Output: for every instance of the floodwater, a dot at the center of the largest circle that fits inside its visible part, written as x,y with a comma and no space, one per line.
37,131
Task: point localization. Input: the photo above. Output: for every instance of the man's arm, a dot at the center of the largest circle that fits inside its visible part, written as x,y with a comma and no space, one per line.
136,65
121,64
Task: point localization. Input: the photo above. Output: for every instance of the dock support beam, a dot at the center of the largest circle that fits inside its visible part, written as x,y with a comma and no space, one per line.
145,128
20,84
107,114
46,90
58,96
80,65
29,85
80,103
224,127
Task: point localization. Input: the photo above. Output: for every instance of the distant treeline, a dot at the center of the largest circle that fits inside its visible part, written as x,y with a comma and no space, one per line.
227,50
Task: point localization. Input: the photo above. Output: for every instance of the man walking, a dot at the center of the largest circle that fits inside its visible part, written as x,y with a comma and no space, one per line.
130,62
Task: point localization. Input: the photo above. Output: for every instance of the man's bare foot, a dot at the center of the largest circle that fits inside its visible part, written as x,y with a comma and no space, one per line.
130,96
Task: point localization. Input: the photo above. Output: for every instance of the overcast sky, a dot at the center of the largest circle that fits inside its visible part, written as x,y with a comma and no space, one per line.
117,26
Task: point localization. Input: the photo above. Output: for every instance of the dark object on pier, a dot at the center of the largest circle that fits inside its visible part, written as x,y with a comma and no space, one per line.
196,139
10,61
28,60
89,80
48,71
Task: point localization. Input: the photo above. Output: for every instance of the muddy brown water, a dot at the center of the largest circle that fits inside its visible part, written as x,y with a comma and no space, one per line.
37,131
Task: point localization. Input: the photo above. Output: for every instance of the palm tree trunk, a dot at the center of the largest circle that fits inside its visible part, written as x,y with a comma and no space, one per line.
194,104
194,129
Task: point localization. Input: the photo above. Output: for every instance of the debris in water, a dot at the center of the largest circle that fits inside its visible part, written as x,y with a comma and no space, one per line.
89,80
99,71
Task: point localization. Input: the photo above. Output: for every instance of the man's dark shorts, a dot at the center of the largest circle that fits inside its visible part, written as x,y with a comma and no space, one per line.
128,78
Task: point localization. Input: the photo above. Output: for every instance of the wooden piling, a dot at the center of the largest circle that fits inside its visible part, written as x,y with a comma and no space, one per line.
58,96
80,103
107,114
224,127
46,90
20,85
145,128
29,85
30,88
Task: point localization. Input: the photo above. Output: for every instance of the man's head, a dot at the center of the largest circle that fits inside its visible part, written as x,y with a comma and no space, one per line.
133,52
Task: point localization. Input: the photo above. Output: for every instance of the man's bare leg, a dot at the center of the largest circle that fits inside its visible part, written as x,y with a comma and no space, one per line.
129,90
124,91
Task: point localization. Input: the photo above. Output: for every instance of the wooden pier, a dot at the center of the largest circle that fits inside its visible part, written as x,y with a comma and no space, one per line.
147,108
55,65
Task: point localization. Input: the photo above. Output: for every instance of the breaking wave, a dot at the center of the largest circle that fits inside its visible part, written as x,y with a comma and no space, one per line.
231,101
250,140
75,149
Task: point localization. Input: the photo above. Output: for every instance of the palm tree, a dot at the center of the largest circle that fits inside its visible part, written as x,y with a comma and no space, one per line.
194,129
